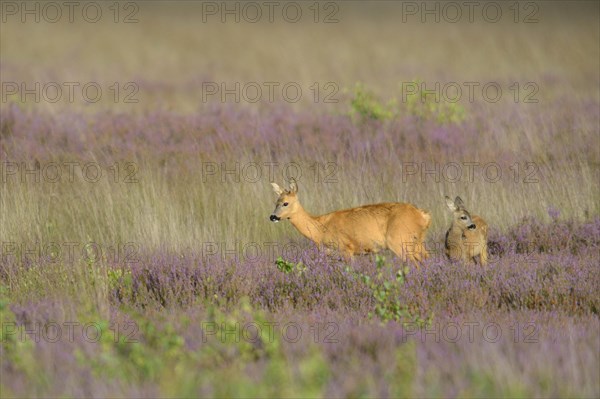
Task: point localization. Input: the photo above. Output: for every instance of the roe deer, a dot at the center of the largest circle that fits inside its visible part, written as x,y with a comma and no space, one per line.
365,229
467,236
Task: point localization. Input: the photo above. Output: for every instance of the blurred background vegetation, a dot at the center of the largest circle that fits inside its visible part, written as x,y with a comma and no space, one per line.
170,50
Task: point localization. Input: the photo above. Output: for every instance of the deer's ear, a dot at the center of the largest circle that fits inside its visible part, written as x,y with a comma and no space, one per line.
451,204
293,186
278,190
458,202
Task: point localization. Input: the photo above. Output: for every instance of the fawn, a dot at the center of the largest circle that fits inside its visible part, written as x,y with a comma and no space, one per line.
467,236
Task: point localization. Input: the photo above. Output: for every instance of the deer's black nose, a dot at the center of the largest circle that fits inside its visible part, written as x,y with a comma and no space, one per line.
274,218
471,227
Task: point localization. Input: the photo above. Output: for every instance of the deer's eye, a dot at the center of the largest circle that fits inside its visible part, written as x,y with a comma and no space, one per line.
463,218
285,204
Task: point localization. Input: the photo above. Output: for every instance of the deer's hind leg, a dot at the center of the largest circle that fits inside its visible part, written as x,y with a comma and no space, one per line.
406,247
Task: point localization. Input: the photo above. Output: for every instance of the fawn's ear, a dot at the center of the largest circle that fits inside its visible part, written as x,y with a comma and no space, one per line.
278,190
458,202
451,204
293,186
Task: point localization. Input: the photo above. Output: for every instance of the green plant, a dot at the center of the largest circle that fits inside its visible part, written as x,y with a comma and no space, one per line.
223,331
368,107
121,280
386,292
16,348
288,267
417,99
428,105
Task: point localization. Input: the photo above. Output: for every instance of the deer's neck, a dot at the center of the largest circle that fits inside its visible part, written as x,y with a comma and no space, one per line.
309,226
455,234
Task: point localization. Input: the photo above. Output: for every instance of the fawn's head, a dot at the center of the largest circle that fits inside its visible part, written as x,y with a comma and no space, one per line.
461,216
287,203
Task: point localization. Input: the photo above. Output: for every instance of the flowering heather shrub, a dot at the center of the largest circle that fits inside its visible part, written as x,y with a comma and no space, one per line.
541,282
159,353
34,134
560,280
180,281
558,236
549,278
